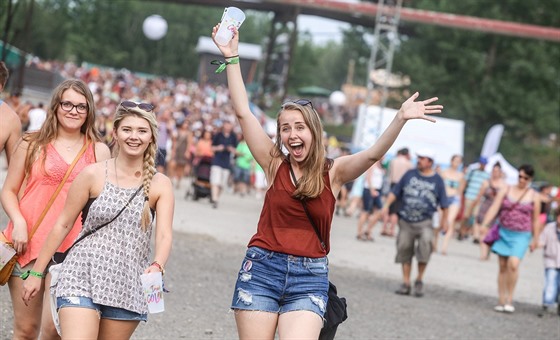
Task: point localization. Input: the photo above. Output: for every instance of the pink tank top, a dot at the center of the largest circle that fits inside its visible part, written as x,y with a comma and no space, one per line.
41,184
516,216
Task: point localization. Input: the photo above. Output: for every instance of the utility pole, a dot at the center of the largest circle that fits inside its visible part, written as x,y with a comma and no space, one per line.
385,39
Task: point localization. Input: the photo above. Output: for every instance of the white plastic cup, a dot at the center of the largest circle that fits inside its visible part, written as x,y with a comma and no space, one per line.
232,17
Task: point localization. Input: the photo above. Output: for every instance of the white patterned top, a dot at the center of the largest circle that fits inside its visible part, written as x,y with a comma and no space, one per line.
106,266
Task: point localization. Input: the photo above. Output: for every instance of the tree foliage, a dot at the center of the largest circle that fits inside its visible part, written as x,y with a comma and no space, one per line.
481,78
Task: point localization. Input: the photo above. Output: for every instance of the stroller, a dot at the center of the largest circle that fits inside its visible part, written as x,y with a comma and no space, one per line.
200,187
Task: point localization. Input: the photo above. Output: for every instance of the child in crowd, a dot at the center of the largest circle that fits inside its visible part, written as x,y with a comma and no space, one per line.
550,240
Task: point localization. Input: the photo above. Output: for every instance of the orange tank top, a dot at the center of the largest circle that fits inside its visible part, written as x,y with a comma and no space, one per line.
41,184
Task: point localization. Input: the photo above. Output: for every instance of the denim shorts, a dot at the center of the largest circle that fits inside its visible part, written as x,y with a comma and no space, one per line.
279,283
105,312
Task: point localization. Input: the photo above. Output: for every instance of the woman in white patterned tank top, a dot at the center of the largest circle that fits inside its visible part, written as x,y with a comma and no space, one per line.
99,292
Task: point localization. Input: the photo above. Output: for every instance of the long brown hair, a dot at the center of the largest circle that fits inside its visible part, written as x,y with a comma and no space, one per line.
311,183
49,131
149,165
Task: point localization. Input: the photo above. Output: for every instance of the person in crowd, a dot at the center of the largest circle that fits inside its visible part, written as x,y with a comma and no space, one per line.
398,166
11,125
40,161
343,196
545,190
355,196
181,152
488,191
283,281
166,126
549,239
473,182
371,198
421,191
204,145
99,290
224,144
517,208
243,165
453,179
37,116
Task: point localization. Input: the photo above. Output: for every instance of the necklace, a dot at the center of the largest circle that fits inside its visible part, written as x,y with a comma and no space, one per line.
70,147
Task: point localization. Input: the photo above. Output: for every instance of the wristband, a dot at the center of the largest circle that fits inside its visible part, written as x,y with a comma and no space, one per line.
157,264
26,274
223,64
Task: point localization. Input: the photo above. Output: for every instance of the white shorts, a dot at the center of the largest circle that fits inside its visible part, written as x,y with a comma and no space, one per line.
219,176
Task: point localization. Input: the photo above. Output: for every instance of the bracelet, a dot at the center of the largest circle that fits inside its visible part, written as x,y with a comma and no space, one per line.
157,264
26,274
223,64
233,56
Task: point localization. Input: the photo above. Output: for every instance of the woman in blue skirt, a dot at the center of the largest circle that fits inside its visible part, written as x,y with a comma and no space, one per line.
519,209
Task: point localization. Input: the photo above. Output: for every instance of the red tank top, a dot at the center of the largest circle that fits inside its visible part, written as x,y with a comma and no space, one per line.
283,225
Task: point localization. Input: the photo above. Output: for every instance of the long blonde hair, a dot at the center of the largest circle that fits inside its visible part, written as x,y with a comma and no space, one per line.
149,165
311,183
49,131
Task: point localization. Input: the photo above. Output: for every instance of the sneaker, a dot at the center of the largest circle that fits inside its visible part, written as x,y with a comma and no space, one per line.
418,287
403,290
499,309
509,309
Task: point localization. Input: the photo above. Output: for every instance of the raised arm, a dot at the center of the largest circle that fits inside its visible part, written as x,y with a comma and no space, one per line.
348,168
258,141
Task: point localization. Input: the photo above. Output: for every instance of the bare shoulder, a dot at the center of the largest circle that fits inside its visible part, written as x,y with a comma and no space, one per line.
161,183
102,151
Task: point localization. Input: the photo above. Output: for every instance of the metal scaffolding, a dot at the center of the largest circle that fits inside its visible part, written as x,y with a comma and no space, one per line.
385,39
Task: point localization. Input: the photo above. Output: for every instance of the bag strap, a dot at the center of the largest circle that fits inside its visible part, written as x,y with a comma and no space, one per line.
58,189
108,222
323,245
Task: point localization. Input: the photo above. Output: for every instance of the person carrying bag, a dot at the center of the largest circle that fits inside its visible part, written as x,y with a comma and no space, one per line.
7,249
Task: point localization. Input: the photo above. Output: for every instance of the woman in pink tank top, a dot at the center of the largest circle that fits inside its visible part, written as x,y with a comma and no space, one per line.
37,167
517,208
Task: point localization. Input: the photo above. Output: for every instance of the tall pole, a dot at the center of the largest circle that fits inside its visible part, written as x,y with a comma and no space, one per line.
385,38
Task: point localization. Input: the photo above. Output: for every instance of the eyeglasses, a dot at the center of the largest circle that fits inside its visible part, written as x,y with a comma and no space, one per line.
524,177
127,104
68,106
302,102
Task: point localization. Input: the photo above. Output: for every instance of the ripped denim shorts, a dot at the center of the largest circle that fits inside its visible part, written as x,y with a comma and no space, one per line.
279,283
105,312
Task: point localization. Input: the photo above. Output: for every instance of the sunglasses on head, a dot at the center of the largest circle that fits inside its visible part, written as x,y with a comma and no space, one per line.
302,102
127,104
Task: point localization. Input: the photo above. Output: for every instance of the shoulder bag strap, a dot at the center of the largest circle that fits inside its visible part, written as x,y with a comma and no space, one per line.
58,189
323,245
108,222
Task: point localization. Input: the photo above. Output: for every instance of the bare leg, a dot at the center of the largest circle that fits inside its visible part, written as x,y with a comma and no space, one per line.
48,330
406,268
27,319
512,274
502,261
256,324
299,325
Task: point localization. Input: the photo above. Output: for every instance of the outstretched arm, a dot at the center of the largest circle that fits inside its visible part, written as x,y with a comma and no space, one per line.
258,141
348,168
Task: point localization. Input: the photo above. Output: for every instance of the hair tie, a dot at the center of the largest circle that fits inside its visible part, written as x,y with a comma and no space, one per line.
146,198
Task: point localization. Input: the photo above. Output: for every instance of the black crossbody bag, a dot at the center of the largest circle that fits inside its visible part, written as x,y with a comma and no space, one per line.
59,257
336,311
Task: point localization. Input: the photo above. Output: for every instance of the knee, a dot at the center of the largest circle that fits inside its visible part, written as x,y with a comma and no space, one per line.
26,330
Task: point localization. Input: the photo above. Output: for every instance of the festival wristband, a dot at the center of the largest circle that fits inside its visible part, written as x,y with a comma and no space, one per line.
26,274
223,64
160,267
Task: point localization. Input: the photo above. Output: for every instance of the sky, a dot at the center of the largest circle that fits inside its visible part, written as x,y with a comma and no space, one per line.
321,29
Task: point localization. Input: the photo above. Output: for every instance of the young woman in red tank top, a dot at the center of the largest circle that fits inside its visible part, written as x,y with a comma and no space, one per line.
283,281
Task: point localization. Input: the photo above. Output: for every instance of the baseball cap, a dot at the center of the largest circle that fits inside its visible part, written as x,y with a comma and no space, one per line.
426,152
483,160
